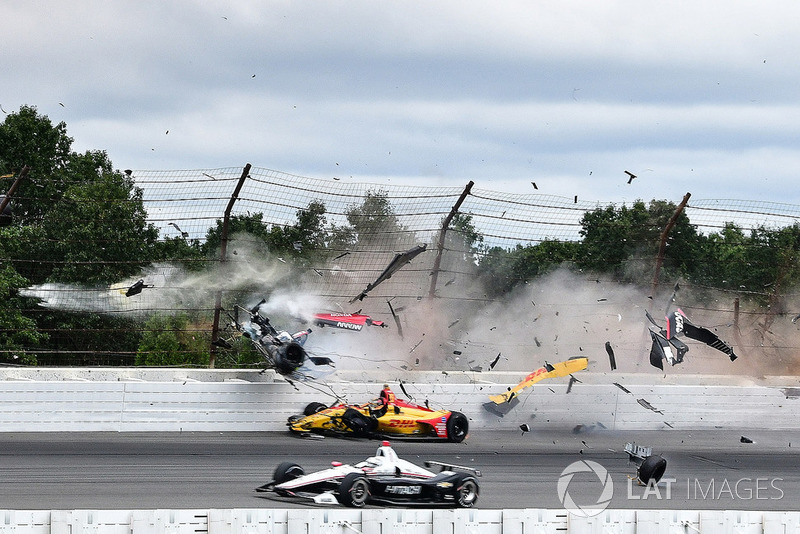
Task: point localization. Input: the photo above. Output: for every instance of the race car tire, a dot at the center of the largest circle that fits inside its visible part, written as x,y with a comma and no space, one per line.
466,494
287,471
358,423
353,490
457,427
652,468
314,407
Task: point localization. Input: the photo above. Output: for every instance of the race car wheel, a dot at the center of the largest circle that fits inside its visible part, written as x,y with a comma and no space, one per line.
467,493
353,490
358,423
457,427
652,468
313,408
287,471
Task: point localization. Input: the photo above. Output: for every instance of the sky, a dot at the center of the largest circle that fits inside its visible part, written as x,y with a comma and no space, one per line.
698,97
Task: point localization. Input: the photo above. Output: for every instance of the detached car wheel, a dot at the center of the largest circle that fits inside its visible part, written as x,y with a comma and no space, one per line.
287,471
457,427
354,490
313,408
467,493
652,468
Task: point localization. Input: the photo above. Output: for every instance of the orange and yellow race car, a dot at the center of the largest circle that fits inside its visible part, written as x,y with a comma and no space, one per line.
386,415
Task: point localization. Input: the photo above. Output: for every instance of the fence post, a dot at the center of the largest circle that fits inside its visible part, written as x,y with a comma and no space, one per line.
223,257
662,247
11,190
440,246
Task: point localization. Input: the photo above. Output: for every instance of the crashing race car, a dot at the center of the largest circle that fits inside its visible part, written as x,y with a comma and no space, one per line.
381,479
386,415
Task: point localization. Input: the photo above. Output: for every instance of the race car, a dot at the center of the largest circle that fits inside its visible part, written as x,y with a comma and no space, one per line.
386,415
381,479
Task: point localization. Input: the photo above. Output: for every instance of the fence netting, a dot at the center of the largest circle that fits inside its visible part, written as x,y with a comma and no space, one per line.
432,291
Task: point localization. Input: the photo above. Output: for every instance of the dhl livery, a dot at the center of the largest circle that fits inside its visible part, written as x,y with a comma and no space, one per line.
574,364
386,415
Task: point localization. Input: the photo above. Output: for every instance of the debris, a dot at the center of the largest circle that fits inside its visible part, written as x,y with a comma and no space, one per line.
396,319
397,263
403,389
631,175
536,340
494,362
647,405
524,427
623,388
453,323
574,364
572,380
650,467
457,352
136,288
745,439
342,255
611,357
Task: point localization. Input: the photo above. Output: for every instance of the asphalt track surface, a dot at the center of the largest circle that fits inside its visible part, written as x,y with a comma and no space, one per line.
710,470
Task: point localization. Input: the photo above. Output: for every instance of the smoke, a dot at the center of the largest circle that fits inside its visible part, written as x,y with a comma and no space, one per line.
170,288
562,315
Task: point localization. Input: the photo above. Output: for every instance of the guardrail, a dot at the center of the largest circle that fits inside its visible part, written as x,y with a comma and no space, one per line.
387,520
181,400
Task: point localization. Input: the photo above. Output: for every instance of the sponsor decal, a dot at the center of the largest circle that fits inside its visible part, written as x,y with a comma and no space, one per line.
404,490
350,326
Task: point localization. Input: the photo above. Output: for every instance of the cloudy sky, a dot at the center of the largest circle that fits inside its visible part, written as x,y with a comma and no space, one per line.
700,97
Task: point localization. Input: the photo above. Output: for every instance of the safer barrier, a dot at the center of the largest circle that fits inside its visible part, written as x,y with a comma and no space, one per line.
132,401
389,521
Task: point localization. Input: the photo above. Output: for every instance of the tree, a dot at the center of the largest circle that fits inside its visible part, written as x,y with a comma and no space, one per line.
172,340
624,241
374,222
99,230
501,270
27,138
17,332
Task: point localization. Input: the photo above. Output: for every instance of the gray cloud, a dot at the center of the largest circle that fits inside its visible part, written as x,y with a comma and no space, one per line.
698,98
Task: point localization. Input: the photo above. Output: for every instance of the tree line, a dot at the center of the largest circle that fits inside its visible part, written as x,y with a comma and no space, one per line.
77,220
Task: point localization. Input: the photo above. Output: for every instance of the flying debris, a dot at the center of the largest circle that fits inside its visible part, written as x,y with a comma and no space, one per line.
574,364
494,362
399,261
623,388
525,427
282,351
397,319
631,176
347,321
649,467
342,255
611,357
644,404
185,235
135,289
678,324
534,185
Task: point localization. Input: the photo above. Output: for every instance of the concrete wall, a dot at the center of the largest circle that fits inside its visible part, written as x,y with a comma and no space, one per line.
180,400
388,521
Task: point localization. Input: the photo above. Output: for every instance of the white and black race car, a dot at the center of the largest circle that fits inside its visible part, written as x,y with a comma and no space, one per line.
382,479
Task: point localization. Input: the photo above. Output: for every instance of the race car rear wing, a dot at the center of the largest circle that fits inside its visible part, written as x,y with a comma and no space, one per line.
453,467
